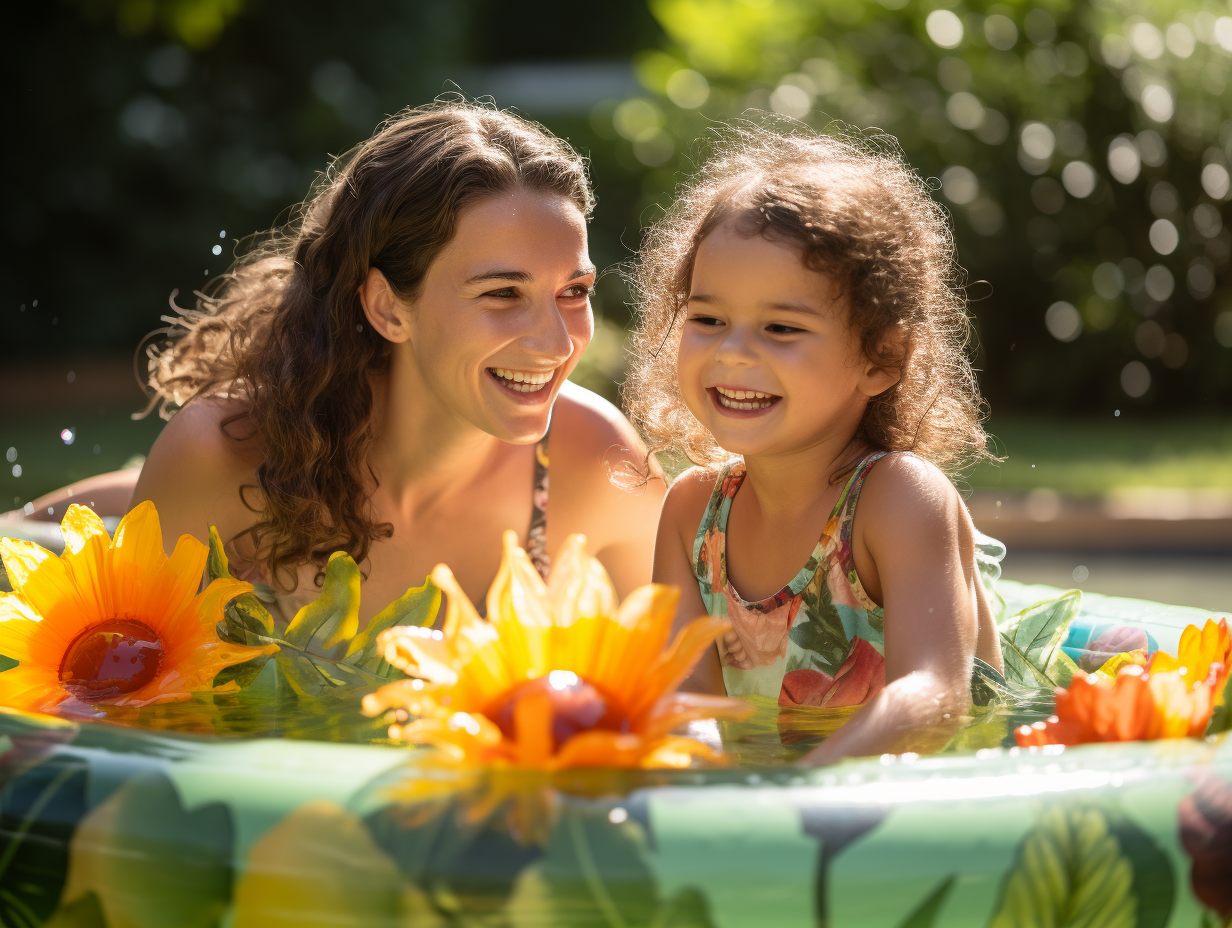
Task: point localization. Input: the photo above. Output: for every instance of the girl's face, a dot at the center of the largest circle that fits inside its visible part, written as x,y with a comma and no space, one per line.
767,361
504,314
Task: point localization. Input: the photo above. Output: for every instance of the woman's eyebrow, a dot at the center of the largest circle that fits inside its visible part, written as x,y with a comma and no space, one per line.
520,276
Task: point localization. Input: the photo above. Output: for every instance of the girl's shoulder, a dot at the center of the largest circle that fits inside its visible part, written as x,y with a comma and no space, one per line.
688,497
905,494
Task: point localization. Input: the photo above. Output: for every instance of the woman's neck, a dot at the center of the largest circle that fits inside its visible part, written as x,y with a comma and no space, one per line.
422,449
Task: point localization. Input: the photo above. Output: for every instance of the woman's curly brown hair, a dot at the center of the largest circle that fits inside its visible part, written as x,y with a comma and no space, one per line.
284,331
857,212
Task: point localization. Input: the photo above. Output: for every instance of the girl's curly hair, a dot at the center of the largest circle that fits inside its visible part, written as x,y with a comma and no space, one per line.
857,212
284,330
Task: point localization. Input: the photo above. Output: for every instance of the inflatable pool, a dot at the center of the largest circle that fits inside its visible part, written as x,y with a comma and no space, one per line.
272,806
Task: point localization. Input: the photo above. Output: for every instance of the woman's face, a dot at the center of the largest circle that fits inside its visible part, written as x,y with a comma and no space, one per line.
504,313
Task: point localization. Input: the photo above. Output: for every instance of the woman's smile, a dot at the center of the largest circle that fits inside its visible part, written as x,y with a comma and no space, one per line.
528,387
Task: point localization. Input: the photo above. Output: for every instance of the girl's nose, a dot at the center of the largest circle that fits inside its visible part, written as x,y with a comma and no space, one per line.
735,349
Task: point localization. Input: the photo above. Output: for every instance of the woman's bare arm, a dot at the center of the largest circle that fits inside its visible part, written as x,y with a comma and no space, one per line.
194,474
920,564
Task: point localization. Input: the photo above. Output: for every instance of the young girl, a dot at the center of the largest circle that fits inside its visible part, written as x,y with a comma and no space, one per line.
802,339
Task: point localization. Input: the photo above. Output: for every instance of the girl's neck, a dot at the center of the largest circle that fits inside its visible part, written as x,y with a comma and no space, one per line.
422,449
785,484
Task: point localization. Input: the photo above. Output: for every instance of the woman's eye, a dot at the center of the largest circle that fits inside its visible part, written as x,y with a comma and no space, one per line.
578,292
504,293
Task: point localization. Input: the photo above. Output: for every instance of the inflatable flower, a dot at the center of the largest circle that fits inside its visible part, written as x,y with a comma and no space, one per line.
557,676
113,622
1199,650
1136,706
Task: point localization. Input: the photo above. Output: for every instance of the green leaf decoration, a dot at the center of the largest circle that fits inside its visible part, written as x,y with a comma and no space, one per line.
37,814
245,616
327,624
149,861
1030,639
925,914
335,611
1154,879
417,606
1221,718
1070,873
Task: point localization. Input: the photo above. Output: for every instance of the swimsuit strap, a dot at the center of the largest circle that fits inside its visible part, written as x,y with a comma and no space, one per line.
846,506
726,482
537,536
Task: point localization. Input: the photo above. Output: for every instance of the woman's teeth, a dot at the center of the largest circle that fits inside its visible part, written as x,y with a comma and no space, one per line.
523,381
744,399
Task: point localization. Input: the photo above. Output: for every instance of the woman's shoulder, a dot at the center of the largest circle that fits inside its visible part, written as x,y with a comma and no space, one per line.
599,468
198,466
211,434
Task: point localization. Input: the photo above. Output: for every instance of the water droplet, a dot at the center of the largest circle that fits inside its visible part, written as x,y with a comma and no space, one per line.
11,455
1117,412
28,509
217,249
98,448
35,304
68,436
617,815
17,473
222,234
72,375
1081,573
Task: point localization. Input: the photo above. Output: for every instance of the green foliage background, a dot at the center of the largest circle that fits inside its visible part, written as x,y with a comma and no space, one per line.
152,131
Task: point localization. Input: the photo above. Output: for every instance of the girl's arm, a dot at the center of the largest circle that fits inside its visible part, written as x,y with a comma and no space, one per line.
682,512
915,555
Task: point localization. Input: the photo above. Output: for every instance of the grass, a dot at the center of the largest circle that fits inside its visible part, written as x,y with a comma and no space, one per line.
47,462
1085,457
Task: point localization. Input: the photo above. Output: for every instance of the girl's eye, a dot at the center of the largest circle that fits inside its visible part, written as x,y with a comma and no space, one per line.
776,328
710,321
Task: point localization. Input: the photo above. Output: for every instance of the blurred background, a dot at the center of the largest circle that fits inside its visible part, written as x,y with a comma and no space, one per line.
1082,149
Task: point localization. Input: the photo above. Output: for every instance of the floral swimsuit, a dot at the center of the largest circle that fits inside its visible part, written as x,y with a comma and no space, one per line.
820,640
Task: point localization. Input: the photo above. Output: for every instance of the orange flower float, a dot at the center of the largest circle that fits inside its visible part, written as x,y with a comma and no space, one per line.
557,676
112,622
1167,697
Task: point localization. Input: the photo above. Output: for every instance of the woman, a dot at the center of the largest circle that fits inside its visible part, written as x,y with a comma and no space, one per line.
381,378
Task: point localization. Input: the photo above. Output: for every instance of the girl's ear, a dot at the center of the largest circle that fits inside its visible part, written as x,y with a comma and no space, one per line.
877,378
385,312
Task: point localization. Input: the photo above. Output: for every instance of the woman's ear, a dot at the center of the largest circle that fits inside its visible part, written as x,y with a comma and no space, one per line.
386,313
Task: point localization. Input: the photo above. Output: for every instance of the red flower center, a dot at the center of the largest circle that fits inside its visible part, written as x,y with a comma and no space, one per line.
111,659
576,705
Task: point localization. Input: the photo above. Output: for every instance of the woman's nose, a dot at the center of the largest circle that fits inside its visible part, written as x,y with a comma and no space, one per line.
550,337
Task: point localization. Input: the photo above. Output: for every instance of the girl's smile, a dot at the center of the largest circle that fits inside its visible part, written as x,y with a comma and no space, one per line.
734,401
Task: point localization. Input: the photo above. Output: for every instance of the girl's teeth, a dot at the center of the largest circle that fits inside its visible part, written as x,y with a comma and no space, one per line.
752,399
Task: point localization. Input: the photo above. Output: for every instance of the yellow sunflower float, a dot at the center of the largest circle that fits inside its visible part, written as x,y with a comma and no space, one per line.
557,675
112,622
